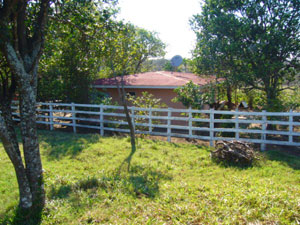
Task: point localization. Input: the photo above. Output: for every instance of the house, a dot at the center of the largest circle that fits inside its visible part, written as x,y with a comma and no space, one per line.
161,84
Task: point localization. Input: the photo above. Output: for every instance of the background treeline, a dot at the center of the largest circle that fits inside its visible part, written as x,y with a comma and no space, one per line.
85,42
252,45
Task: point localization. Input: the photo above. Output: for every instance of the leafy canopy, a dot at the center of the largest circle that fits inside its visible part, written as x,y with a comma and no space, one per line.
84,42
254,42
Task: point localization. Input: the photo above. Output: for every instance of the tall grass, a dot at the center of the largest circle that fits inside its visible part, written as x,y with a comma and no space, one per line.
168,183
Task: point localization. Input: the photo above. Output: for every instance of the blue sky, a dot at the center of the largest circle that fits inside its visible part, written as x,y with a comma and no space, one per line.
170,18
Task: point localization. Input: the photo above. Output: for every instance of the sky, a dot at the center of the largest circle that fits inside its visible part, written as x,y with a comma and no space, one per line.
169,18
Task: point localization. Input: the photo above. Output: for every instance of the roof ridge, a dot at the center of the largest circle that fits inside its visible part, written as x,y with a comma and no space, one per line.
167,75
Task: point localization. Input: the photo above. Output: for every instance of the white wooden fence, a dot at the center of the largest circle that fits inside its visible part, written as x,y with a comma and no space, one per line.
184,123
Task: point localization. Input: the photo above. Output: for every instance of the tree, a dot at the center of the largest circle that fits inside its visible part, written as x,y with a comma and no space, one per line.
74,49
154,65
120,52
124,54
22,25
146,100
140,45
195,96
148,45
251,42
75,52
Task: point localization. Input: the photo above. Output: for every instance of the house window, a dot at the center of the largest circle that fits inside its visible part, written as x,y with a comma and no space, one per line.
131,93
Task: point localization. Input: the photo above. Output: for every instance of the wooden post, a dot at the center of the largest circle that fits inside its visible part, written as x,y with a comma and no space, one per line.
51,116
150,120
101,121
73,117
237,134
190,122
211,127
169,124
291,126
264,128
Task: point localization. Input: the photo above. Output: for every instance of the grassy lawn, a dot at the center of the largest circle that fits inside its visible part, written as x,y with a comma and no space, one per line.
169,183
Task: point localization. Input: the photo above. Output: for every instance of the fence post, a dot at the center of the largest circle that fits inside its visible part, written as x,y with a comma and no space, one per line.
291,126
169,124
150,120
101,121
190,122
237,134
51,116
211,127
73,117
264,128
132,118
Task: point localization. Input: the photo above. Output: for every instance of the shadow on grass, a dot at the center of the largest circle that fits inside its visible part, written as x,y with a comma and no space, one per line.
24,217
60,144
203,147
287,155
238,166
140,182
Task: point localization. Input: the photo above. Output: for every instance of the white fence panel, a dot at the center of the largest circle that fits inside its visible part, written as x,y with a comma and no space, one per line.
195,124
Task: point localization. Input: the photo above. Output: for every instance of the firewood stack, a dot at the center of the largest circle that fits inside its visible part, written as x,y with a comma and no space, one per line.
234,152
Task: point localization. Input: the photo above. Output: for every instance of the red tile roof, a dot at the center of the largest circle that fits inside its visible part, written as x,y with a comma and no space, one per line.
157,79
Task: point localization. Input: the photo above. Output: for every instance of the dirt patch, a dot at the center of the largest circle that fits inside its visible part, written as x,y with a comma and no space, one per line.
178,140
291,150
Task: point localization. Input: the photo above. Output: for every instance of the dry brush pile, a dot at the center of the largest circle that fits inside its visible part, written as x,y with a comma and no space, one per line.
234,152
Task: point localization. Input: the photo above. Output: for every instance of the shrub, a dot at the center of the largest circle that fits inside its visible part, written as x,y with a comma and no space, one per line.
147,100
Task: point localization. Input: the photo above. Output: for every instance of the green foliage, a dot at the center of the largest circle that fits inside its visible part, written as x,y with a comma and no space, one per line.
147,100
73,49
83,42
186,66
154,65
192,95
287,100
147,45
252,43
173,183
129,48
165,65
98,97
7,82
168,66
291,99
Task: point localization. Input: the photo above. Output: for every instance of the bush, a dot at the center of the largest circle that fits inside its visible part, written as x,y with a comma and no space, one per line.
147,100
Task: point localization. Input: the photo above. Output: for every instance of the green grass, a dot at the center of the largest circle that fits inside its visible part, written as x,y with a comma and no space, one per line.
169,183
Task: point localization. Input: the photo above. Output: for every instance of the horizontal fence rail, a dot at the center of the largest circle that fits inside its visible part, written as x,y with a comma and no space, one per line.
279,128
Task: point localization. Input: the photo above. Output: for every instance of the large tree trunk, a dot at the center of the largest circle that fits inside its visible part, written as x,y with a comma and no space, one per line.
22,51
30,144
11,146
27,86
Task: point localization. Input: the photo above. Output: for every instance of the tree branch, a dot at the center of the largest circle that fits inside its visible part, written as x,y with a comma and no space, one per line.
39,35
20,37
15,62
